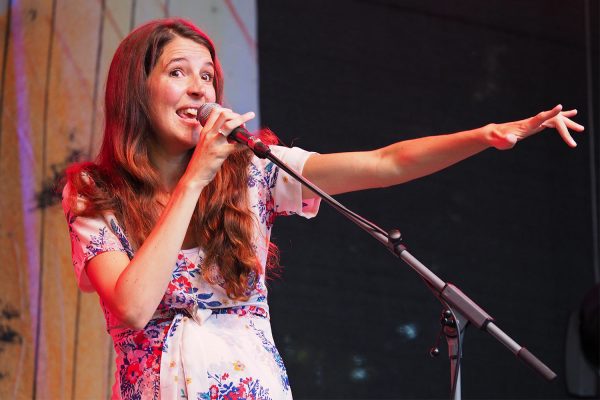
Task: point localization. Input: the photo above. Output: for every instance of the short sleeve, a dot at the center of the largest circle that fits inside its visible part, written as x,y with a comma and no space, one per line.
287,191
90,237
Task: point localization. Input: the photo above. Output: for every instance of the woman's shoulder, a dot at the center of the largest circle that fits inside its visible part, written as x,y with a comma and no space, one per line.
81,184
81,175
89,206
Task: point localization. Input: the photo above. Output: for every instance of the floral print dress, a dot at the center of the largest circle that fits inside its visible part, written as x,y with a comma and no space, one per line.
199,343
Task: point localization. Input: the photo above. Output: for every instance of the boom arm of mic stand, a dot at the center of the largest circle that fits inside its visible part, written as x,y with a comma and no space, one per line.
454,297
445,292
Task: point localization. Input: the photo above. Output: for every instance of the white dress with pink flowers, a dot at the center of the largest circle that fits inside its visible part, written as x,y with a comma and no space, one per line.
199,343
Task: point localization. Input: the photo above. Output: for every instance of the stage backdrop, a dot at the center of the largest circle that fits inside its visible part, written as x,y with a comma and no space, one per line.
513,229
54,57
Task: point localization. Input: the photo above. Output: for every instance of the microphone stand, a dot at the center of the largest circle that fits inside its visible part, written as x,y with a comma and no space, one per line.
459,309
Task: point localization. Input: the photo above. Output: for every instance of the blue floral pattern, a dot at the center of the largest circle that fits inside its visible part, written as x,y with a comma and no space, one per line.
120,234
269,346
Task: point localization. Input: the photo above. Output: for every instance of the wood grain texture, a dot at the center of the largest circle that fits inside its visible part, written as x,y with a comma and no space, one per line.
118,17
21,170
116,25
67,328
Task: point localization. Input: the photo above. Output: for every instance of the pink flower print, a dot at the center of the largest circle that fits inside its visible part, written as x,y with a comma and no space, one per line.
182,283
137,355
133,372
150,361
214,392
171,288
139,338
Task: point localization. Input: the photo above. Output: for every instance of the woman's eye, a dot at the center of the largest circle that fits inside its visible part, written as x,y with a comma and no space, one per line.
176,73
208,77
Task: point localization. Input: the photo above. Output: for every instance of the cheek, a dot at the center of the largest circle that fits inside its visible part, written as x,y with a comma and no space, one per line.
163,93
210,94
162,100
169,95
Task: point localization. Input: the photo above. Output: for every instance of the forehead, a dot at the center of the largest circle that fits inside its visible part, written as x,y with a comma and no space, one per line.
183,48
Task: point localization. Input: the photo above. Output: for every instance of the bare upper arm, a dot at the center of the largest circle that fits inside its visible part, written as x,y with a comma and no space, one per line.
103,272
343,172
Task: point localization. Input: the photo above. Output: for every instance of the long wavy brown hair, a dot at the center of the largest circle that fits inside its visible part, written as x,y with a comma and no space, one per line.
126,182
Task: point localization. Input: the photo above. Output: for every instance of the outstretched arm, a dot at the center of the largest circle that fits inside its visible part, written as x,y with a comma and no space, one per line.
411,159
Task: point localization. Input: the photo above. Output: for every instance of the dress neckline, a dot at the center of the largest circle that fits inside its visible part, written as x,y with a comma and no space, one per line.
193,250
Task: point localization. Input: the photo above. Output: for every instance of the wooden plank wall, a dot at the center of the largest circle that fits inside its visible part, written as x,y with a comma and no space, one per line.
54,57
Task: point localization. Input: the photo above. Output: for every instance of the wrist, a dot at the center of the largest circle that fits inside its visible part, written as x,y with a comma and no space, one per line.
190,186
489,135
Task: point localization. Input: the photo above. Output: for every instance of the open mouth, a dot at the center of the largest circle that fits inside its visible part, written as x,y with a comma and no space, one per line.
188,113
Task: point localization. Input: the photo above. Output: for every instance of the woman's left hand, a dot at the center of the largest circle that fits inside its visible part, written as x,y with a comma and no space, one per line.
505,136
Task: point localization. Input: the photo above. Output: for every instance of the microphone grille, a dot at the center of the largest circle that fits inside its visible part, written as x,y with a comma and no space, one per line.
205,111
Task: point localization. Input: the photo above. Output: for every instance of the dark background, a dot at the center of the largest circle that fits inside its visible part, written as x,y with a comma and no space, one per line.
512,229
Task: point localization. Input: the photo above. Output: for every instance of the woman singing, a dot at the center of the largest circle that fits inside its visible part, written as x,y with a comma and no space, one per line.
171,223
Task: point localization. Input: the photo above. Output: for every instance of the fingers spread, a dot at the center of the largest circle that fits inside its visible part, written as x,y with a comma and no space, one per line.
564,132
544,116
573,125
569,113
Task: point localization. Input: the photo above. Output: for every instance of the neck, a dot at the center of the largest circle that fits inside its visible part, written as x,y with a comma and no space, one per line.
170,167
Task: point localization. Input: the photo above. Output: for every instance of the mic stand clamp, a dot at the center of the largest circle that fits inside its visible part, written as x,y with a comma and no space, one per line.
453,327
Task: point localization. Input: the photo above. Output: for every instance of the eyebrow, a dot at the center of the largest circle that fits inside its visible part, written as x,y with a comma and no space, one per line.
175,60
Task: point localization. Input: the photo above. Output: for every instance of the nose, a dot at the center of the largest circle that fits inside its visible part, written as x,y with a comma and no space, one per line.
196,87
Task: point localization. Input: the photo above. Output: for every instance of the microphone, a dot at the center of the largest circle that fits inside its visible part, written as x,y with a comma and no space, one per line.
239,134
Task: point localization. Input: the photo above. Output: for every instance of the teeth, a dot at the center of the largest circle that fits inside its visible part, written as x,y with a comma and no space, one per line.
188,112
